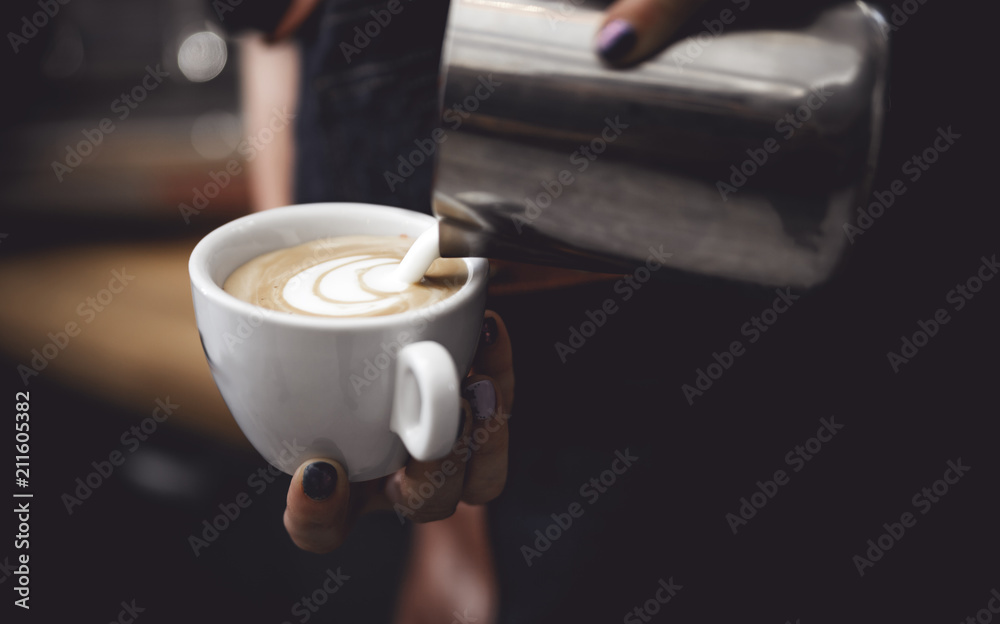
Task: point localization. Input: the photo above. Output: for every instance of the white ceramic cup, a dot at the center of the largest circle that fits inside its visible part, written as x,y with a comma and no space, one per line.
363,391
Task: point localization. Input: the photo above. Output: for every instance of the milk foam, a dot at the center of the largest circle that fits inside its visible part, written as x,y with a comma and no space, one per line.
342,288
346,276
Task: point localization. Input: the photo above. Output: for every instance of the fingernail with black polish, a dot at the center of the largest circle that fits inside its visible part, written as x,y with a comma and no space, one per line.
488,336
319,480
616,40
482,397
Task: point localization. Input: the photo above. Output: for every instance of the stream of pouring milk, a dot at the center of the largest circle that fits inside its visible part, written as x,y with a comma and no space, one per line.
417,260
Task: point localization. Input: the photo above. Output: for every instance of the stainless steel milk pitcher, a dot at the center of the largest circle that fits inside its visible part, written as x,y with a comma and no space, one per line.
738,154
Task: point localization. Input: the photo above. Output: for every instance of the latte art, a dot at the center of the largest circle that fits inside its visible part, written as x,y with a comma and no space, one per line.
344,276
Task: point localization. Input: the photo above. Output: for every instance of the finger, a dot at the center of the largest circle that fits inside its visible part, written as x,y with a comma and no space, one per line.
486,473
425,491
495,358
316,512
635,29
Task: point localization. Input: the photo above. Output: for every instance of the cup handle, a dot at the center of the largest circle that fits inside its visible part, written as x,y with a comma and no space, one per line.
425,406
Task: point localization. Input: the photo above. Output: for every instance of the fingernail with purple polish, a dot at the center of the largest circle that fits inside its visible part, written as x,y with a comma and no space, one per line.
489,332
616,40
482,396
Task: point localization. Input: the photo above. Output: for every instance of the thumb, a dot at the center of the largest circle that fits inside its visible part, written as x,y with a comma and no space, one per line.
633,30
316,512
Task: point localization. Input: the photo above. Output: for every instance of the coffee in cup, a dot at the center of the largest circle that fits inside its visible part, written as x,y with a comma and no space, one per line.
343,276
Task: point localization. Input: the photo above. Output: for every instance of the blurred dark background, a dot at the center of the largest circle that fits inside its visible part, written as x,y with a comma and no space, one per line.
72,74
666,518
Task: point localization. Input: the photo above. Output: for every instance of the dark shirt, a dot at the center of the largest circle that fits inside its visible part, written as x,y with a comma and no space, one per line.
369,92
